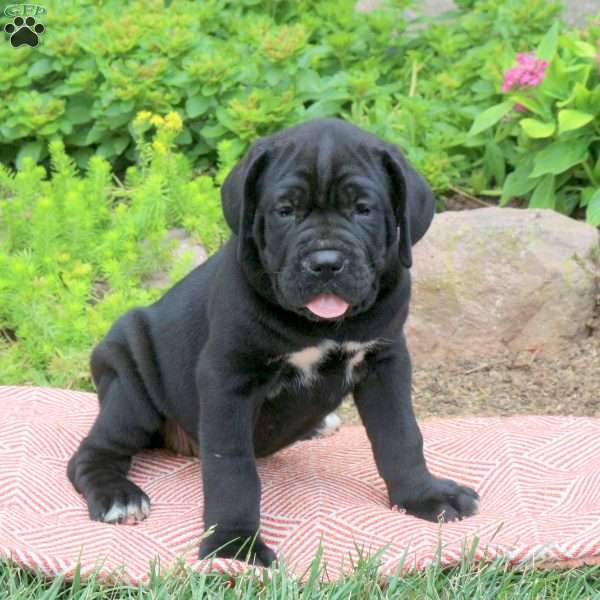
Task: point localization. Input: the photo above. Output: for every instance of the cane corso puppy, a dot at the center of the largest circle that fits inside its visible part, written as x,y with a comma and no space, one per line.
305,303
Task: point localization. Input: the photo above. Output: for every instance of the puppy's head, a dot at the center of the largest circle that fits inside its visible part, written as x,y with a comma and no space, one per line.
322,210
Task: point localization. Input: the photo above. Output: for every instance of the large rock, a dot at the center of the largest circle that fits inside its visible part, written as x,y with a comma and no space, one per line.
494,280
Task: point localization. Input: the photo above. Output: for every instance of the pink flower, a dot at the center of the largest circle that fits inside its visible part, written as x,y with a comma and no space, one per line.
529,72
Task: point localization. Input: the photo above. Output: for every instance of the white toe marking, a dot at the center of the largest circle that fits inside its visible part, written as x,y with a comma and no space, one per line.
118,511
115,512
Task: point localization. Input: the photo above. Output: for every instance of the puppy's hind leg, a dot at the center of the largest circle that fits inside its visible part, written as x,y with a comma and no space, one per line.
98,469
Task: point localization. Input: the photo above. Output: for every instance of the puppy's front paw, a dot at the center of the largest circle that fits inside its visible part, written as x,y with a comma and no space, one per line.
439,500
241,547
119,501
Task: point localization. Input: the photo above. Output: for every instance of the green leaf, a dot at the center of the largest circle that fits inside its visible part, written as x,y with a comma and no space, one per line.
566,202
196,106
179,79
86,63
105,149
477,181
78,137
49,128
587,193
184,137
518,183
116,122
584,50
119,108
560,156
596,170
112,146
537,129
81,156
65,126
10,133
213,131
79,110
490,117
532,104
592,213
225,119
579,96
572,119
95,134
493,162
120,143
39,68
308,82
323,108
67,89
556,85
210,89
547,48
272,75
543,195
30,149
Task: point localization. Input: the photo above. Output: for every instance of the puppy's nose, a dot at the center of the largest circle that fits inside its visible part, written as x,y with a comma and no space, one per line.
325,263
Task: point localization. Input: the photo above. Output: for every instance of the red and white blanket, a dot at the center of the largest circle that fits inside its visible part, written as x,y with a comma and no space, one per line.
538,477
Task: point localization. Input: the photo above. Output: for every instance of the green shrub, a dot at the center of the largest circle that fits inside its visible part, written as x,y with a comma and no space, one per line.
235,69
451,71
238,70
548,126
75,250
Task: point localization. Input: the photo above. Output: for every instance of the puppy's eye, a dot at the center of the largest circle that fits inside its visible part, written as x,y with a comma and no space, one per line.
362,209
285,211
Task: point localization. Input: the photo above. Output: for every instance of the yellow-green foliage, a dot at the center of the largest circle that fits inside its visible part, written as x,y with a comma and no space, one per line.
240,69
74,250
235,68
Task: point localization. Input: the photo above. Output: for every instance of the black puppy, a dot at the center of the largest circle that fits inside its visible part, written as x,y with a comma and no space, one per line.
305,303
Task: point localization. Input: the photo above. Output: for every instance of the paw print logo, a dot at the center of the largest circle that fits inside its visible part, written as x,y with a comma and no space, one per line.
24,31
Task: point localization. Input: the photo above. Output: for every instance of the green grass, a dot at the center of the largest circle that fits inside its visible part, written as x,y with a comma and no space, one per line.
470,581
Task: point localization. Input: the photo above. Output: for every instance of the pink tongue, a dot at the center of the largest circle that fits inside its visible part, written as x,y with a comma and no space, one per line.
327,306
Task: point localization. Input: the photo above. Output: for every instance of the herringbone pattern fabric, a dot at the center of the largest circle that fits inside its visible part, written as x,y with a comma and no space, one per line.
539,479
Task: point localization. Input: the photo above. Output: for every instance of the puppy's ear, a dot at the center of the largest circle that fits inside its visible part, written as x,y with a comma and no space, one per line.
412,199
239,194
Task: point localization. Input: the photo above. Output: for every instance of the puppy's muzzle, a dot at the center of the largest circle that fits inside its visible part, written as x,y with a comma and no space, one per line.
324,264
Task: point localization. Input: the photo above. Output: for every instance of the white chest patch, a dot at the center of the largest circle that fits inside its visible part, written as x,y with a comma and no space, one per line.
307,360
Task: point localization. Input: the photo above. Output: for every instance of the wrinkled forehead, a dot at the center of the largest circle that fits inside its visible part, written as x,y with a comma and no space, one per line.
319,163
